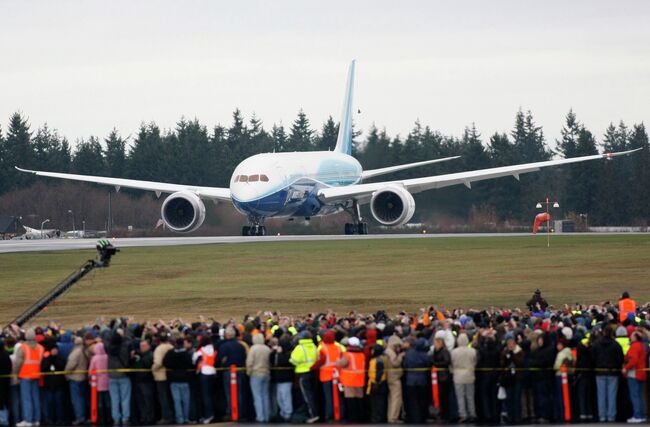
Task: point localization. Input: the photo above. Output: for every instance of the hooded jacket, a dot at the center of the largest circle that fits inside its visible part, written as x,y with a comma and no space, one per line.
636,361
179,365
280,359
118,356
65,344
418,358
77,361
395,359
159,372
258,359
99,364
463,361
608,356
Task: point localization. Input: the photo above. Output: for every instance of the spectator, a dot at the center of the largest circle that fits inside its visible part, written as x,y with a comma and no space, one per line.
54,384
585,382
352,367
160,377
258,368
512,362
76,366
5,384
99,366
179,366
233,352
442,361
143,383
564,358
626,306
537,303
417,364
540,361
608,361
635,372
329,352
119,383
487,376
15,413
29,355
463,362
377,385
395,359
206,358
282,377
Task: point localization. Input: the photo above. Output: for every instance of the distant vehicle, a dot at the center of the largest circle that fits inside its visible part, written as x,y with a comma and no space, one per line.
308,184
35,234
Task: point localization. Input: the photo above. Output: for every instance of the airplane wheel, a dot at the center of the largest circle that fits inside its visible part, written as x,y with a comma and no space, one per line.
245,231
362,228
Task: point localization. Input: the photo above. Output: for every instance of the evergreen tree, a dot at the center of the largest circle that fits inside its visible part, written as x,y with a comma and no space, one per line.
326,141
88,158
616,179
300,136
279,137
147,155
17,151
115,154
571,129
640,190
581,195
51,152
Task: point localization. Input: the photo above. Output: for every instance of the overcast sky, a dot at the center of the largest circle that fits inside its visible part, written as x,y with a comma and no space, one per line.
86,66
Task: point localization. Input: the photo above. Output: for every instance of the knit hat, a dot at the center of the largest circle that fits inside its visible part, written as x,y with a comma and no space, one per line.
354,342
621,332
567,332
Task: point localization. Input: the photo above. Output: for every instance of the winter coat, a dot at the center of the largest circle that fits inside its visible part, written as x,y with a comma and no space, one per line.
564,357
99,364
65,345
5,381
232,352
258,361
463,361
417,358
608,356
77,361
118,356
142,363
541,361
395,359
50,365
179,365
512,363
636,359
280,359
159,372
442,361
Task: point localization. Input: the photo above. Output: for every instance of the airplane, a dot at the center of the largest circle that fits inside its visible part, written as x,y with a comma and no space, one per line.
310,184
35,234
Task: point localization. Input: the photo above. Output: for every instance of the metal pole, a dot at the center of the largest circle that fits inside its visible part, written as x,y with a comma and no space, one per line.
548,227
110,216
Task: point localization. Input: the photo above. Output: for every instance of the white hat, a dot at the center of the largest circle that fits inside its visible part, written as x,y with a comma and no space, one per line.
354,342
567,332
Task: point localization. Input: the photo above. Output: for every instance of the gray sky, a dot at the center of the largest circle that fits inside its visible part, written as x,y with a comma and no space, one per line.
85,67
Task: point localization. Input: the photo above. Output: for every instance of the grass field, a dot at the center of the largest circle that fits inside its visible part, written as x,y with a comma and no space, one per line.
296,277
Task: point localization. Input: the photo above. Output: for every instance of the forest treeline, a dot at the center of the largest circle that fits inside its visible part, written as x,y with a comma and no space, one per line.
608,192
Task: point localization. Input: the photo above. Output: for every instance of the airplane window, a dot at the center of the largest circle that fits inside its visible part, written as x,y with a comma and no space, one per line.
264,178
243,178
237,178
253,178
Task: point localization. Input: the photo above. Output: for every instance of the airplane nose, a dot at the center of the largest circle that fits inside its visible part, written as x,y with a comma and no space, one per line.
244,192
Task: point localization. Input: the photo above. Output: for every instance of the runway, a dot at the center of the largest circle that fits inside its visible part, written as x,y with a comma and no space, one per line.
11,246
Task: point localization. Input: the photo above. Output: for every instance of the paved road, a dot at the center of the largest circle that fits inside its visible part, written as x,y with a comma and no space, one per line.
9,246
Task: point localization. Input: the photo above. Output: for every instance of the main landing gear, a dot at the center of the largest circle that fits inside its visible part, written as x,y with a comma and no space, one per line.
255,228
357,226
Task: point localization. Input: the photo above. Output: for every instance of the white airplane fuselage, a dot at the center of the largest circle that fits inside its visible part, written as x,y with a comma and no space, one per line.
287,184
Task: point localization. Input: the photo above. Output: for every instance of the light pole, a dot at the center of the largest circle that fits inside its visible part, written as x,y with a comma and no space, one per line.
74,228
548,205
42,224
585,218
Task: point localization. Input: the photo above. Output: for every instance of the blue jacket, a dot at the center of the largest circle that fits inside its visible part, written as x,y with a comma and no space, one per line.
232,352
417,358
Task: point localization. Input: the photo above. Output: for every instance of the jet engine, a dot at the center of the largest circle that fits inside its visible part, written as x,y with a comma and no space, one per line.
183,212
392,205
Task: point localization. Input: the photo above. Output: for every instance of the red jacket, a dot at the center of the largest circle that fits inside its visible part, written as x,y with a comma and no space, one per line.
636,358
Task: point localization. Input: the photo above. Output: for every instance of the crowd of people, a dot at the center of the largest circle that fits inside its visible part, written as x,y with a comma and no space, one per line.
492,366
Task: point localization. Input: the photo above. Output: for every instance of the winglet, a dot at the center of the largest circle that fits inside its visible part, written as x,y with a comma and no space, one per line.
344,140
25,170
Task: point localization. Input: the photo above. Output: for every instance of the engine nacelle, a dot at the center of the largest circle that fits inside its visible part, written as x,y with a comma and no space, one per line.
392,205
183,212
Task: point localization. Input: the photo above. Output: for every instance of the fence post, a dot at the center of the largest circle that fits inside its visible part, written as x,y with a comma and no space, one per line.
566,398
93,396
434,387
335,395
234,399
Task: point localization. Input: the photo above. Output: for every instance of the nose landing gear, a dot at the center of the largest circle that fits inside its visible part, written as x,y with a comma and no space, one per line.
255,228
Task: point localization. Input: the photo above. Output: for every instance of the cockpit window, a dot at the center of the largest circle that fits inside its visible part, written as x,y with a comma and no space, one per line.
243,178
253,178
264,178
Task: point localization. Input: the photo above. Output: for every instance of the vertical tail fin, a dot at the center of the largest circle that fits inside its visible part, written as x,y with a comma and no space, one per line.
344,140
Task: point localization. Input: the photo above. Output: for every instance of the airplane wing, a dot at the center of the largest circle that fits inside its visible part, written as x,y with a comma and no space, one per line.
363,192
213,193
390,169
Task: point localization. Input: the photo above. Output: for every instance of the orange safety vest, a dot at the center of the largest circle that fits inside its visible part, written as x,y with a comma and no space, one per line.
625,306
354,375
332,354
206,359
32,357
